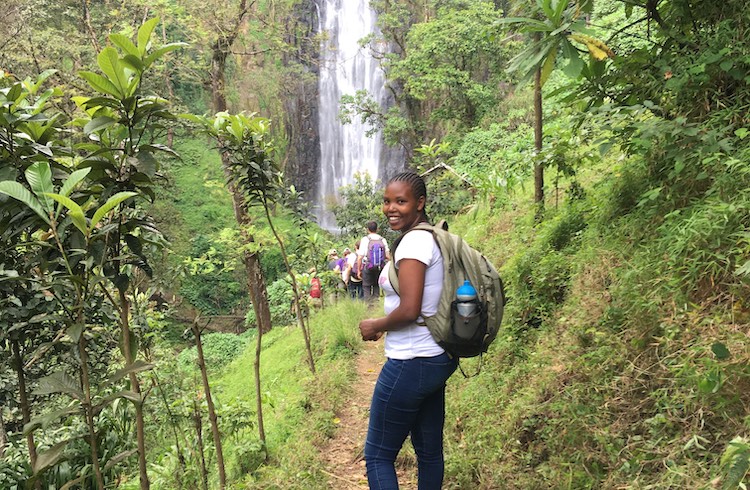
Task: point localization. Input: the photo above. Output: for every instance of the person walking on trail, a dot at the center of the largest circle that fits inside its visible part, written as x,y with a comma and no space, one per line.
355,277
409,396
372,254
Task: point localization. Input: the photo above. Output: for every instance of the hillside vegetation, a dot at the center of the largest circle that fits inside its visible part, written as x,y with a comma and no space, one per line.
156,327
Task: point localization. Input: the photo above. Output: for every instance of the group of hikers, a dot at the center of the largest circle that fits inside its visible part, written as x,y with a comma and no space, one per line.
359,270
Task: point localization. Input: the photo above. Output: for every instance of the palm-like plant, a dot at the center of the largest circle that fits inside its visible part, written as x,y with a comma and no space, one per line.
554,25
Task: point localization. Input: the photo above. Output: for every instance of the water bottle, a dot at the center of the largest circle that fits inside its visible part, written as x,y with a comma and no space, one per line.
466,295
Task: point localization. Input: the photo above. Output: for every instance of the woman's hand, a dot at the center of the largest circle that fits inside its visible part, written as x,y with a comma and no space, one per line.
369,329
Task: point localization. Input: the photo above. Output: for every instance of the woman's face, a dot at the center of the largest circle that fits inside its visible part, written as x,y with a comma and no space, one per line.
402,209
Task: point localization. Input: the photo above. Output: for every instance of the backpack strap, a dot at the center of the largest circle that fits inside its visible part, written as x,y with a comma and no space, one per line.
392,271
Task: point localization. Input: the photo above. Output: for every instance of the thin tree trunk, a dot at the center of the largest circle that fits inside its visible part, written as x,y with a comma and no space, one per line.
211,409
198,423
256,282
168,83
3,436
89,410
173,424
295,289
25,407
136,387
538,166
258,394
87,24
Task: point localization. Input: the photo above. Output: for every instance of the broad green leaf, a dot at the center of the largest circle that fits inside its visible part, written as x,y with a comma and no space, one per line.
123,42
720,351
137,366
101,84
50,457
134,397
161,51
39,177
74,331
134,63
74,211
119,458
73,483
73,180
43,421
559,8
20,193
99,123
109,205
109,63
59,382
144,34
575,63
14,93
548,66
527,23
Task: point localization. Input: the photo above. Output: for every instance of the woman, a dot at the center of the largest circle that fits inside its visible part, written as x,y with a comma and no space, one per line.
409,396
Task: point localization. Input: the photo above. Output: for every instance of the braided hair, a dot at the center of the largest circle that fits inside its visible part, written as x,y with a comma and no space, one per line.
418,187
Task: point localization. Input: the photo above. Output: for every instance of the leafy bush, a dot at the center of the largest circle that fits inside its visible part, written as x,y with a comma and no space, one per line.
448,194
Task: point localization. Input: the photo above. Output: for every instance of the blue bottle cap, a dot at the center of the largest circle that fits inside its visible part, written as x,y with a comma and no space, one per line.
466,292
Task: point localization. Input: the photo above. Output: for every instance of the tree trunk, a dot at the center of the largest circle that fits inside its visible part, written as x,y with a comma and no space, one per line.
25,407
198,423
255,280
211,409
89,409
136,387
295,289
538,166
258,394
167,82
3,436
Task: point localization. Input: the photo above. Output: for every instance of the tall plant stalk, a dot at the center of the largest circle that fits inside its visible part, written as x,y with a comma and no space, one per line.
25,408
89,410
295,288
136,387
212,418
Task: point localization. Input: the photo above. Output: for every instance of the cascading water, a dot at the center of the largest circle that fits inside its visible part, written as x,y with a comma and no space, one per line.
345,149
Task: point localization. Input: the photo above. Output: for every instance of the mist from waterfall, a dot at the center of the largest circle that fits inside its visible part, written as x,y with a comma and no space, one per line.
345,149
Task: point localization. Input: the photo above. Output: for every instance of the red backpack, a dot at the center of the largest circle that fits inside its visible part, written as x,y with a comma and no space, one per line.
315,287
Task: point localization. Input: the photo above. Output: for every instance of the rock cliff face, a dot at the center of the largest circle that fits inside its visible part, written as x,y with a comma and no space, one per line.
301,100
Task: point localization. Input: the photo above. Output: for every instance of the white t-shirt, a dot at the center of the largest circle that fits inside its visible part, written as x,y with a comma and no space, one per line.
351,261
365,243
414,340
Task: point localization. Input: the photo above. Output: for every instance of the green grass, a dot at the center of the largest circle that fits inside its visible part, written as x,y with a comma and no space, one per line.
299,408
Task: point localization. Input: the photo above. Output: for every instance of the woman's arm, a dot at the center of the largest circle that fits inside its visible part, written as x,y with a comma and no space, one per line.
411,273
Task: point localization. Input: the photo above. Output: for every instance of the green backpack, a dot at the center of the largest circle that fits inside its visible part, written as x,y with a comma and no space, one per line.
461,336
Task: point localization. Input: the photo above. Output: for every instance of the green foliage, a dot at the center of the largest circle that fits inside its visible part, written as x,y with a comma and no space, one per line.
213,283
219,349
448,195
735,463
360,203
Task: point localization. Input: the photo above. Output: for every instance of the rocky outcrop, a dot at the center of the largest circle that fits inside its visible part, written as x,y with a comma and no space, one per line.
301,100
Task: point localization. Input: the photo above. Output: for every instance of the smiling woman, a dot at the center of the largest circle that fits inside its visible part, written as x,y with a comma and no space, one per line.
409,396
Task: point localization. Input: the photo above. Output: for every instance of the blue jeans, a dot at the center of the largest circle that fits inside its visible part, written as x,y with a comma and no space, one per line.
409,398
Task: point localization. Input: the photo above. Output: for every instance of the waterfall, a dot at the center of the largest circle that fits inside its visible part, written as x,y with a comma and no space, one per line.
345,149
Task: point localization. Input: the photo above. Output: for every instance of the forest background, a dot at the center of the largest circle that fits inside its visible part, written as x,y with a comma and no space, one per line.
601,159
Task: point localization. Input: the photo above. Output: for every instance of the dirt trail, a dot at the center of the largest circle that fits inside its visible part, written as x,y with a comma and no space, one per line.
343,455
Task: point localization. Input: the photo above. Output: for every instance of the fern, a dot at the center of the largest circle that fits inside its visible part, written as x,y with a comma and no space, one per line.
735,463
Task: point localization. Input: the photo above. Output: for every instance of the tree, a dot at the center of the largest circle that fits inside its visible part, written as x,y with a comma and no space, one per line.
557,23
84,228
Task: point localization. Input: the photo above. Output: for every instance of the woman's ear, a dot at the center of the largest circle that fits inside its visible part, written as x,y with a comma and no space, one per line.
420,204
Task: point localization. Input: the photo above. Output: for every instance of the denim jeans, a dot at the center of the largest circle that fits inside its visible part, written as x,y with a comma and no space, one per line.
409,398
